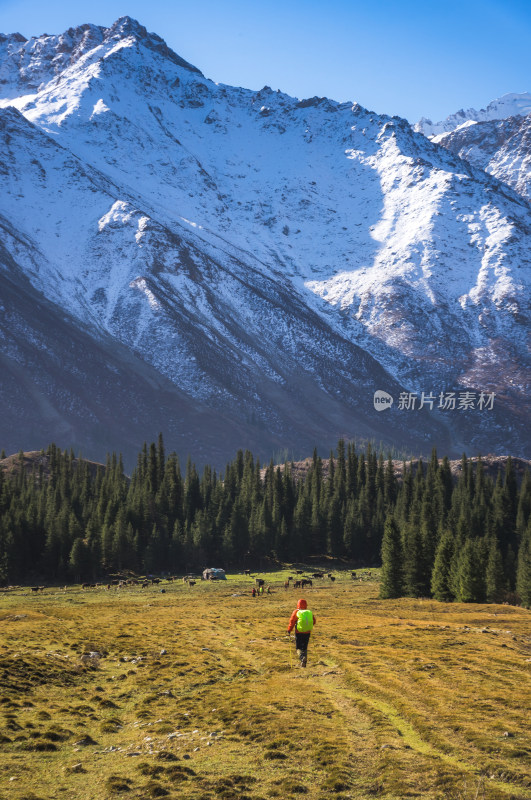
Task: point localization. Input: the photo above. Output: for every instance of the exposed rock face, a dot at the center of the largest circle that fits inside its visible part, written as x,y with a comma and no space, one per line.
500,147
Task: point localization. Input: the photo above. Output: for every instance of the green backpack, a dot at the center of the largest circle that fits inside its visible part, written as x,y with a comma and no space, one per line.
304,621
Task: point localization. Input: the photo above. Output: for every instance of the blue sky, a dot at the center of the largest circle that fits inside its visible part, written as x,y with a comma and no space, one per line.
401,57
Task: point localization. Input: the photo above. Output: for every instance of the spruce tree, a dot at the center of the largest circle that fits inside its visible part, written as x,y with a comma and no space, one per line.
441,584
523,574
391,578
494,579
79,563
414,573
471,573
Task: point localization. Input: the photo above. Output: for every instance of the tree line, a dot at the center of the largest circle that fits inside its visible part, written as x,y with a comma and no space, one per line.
468,541
67,519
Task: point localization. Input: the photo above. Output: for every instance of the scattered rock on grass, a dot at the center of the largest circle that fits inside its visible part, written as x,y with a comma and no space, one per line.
75,768
85,741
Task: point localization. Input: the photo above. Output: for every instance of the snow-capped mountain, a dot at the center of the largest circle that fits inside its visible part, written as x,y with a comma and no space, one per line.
509,105
500,147
274,260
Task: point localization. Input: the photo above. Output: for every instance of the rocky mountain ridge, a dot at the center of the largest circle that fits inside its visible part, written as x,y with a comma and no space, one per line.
273,260
509,105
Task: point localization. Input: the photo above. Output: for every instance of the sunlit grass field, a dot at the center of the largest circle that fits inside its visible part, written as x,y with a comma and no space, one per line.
404,698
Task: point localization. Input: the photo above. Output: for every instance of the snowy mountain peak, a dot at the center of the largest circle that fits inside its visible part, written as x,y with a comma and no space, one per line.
274,260
27,65
12,37
125,27
509,105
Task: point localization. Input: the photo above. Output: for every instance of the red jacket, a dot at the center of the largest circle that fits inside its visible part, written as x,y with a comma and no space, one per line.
301,606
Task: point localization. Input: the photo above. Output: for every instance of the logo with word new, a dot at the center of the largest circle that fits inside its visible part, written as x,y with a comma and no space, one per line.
382,400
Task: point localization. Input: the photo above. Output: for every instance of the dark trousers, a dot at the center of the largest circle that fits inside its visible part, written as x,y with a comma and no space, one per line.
301,643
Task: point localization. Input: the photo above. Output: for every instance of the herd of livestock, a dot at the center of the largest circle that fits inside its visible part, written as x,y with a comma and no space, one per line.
301,580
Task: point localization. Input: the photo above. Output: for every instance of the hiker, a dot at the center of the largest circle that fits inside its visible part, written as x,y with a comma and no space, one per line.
303,621
261,589
253,592
269,589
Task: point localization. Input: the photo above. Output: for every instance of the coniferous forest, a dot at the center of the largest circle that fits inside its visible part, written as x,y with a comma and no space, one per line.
71,520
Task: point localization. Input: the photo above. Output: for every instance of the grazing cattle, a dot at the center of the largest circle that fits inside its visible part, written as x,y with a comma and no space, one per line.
317,574
247,571
259,581
155,580
191,583
332,578
145,584
299,571
353,574
329,574
35,588
297,585
290,577
306,582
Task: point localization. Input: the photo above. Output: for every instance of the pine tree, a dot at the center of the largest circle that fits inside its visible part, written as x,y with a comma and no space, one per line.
441,584
415,577
390,484
523,574
391,578
334,525
471,573
494,579
523,513
79,563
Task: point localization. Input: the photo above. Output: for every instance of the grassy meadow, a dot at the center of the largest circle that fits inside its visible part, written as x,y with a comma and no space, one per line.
401,698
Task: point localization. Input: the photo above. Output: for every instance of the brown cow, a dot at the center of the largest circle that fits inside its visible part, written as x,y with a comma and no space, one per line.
297,584
191,583
306,582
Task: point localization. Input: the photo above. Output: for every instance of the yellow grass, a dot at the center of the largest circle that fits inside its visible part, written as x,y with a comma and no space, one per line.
400,699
